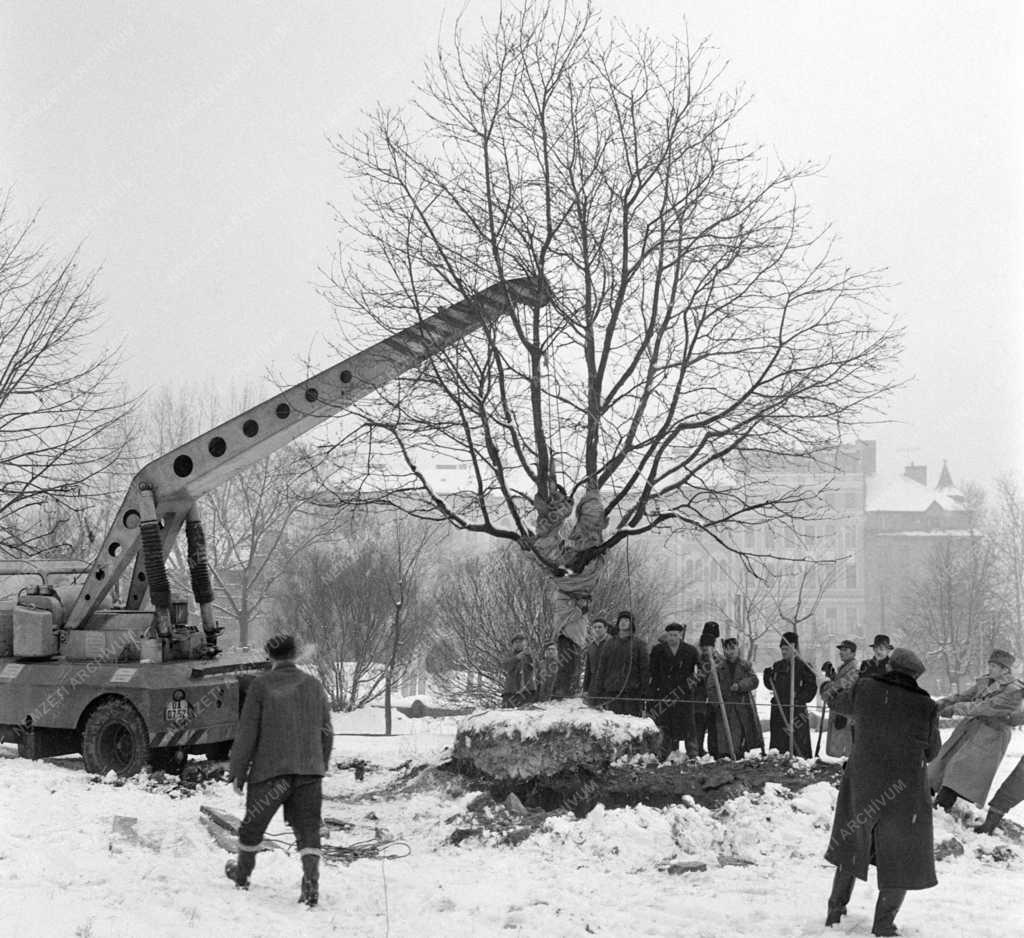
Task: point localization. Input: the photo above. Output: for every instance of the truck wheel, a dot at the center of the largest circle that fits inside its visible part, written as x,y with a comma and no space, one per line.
115,738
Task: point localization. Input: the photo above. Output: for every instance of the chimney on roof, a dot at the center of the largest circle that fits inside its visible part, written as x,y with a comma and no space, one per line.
945,479
918,473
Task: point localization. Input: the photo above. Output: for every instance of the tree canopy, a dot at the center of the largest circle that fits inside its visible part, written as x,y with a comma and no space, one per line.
701,327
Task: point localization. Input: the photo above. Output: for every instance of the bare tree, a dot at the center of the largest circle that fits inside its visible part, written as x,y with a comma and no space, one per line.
700,327
778,586
952,606
1008,533
60,403
359,603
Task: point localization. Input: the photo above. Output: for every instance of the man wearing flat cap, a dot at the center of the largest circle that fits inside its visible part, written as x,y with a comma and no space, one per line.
970,757
673,669
840,681
883,812
875,665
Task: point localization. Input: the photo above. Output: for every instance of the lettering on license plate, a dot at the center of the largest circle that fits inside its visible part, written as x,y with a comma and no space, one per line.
176,711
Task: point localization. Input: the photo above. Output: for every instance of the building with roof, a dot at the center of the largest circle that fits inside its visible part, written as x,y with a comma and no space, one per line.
872,543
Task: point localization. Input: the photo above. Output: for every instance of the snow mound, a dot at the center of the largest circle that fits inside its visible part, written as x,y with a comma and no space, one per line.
549,738
756,828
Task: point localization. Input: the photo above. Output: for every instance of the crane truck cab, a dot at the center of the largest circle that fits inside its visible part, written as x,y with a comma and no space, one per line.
137,681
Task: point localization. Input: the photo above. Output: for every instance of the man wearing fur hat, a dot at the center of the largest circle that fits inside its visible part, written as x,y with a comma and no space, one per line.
883,812
793,686
970,757
280,755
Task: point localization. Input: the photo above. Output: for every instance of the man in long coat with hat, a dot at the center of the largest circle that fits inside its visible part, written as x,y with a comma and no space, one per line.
840,680
970,757
883,812
793,686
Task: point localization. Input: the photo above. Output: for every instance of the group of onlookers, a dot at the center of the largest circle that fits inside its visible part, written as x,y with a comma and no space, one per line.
693,692
879,718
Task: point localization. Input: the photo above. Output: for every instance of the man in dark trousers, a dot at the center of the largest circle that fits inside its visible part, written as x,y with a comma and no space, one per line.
598,636
1008,795
880,647
793,686
623,670
280,754
884,812
673,666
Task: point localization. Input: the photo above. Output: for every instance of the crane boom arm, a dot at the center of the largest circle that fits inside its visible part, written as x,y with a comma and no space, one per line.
172,482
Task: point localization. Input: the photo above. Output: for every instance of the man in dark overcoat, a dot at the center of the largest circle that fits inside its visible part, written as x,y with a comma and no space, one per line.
793,686
881,648
599,630
673,666
884,812
623,669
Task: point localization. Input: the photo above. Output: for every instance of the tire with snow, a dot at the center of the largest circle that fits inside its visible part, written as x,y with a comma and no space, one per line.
115,738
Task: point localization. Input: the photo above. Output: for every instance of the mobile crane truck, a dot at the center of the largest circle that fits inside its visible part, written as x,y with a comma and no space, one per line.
141,683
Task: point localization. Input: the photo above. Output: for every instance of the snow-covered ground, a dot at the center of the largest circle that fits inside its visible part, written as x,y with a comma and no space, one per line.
72,866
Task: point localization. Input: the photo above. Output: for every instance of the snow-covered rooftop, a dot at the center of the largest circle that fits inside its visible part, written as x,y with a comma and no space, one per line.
901,493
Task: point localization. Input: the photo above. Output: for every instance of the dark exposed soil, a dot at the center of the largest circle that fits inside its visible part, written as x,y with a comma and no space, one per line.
710,785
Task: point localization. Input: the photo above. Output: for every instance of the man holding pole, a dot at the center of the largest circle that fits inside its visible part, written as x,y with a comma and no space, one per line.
840,680
793,686
731,694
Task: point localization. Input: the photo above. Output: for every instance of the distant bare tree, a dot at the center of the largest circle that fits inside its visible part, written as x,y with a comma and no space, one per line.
60,403
489,598
359,604
700,328
952,606
770,593
1008,532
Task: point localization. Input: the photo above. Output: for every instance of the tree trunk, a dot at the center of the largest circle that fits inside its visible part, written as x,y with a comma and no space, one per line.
396,639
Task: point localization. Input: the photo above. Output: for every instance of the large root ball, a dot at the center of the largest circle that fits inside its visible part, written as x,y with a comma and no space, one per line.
549,738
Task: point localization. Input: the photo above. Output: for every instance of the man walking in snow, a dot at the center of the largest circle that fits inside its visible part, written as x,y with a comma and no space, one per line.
280,755
883,812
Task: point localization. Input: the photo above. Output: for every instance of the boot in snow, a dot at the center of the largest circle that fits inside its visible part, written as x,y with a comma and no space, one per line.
991,822
239,869
309,891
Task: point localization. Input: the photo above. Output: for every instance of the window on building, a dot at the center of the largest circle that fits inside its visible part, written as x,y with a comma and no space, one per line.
852,619
851,575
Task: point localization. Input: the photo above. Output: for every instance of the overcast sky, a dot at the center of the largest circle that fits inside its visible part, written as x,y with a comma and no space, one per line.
184,147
